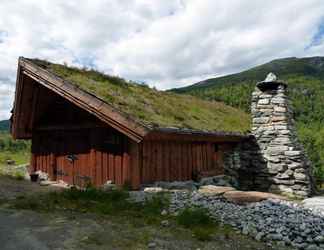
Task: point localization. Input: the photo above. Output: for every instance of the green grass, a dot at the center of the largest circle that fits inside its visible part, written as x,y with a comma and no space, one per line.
152,107
91,200
198,220
20,157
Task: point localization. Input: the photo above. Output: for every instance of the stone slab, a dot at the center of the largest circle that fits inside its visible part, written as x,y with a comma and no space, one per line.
211,190
241,197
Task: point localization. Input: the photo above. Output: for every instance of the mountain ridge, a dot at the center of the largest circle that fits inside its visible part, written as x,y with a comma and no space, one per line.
307,66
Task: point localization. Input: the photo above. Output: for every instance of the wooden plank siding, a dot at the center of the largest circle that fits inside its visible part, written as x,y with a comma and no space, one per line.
178,160
100,155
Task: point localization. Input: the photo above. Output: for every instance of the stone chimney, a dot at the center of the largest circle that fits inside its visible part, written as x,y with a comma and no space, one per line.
286,167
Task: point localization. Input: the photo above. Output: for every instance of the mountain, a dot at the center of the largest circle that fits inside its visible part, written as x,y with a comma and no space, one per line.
4,125
305,77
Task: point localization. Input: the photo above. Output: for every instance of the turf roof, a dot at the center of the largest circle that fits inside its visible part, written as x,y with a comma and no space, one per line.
153,108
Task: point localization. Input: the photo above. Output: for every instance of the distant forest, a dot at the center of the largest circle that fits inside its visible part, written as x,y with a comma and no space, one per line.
4,125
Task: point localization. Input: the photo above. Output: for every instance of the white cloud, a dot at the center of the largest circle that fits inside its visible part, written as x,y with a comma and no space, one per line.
165,43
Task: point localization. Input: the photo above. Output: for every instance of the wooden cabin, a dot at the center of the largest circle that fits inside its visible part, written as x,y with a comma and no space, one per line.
87,127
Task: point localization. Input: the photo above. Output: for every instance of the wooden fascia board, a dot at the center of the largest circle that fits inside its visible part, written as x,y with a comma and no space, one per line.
158,135
84,100
17,102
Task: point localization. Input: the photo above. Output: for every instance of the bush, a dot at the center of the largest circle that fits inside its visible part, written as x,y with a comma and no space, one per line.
199,221
192,217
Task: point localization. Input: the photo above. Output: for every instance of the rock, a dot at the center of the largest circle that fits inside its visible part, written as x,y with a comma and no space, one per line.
264,101
259,236
153,189
293,153
315,203
47,183
241,197
312,247
206,181
300,176
151,245
164,212
109,186
319,239
218,180
165,223
42,176
271,77
10,162
176,185
214,190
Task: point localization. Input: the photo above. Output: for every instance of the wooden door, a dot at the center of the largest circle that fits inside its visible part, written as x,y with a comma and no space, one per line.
72,159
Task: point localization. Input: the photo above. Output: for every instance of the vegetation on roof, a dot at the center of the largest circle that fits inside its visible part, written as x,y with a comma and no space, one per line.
152,107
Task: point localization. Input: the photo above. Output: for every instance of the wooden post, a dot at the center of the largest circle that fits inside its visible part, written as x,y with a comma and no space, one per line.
135,164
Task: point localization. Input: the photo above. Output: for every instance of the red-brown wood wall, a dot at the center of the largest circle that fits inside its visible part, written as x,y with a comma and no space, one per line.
82,156
179,160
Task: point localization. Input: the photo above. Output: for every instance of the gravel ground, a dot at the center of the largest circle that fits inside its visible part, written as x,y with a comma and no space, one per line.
288,223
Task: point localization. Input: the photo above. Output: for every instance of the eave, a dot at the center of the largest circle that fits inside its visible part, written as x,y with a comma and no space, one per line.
75,95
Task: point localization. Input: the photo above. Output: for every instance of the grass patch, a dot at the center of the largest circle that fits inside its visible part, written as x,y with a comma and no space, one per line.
114,203
198,220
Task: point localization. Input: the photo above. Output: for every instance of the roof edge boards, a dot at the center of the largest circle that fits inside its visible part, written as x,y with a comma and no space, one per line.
93,105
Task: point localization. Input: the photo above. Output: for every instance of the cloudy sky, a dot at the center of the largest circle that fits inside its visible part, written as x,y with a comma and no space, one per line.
166,43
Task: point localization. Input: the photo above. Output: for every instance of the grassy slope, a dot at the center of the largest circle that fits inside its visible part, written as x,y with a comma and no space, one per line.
4,125
305,77
152,107
19,151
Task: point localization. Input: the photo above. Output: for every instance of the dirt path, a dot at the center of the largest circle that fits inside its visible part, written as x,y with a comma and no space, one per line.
11,188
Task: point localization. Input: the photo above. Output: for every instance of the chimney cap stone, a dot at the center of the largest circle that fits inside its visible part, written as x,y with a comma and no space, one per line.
271,77
271,82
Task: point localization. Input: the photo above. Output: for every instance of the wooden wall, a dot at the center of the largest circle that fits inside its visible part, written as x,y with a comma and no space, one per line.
82,156
179,160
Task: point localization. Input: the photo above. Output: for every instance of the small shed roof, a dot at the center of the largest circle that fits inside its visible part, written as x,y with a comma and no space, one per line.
142,106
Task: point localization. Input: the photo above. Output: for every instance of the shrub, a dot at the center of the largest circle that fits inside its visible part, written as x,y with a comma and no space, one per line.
198,220
192,217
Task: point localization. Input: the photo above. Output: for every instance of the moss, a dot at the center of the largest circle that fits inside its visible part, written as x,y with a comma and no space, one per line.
150,106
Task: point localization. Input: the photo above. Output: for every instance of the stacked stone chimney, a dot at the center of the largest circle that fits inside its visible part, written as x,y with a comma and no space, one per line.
286,167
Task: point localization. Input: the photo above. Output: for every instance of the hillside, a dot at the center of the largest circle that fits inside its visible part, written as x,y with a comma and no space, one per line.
4,125
17,150
305,77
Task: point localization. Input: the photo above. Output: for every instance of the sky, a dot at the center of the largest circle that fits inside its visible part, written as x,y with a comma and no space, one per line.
164,43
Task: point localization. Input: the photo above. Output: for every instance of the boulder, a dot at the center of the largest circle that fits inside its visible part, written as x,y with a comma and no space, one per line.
218,180
47,183
211,190
241,197
109,186
42,176
153,189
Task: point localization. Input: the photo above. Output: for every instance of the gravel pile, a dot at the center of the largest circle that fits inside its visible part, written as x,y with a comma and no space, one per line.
272,220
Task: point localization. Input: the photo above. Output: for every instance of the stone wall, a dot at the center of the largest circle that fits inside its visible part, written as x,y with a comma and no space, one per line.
286,168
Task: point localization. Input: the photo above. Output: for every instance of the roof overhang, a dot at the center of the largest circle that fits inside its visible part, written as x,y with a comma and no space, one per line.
90,103
195,135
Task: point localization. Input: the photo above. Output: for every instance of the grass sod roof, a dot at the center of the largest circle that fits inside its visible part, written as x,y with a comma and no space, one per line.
151,107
